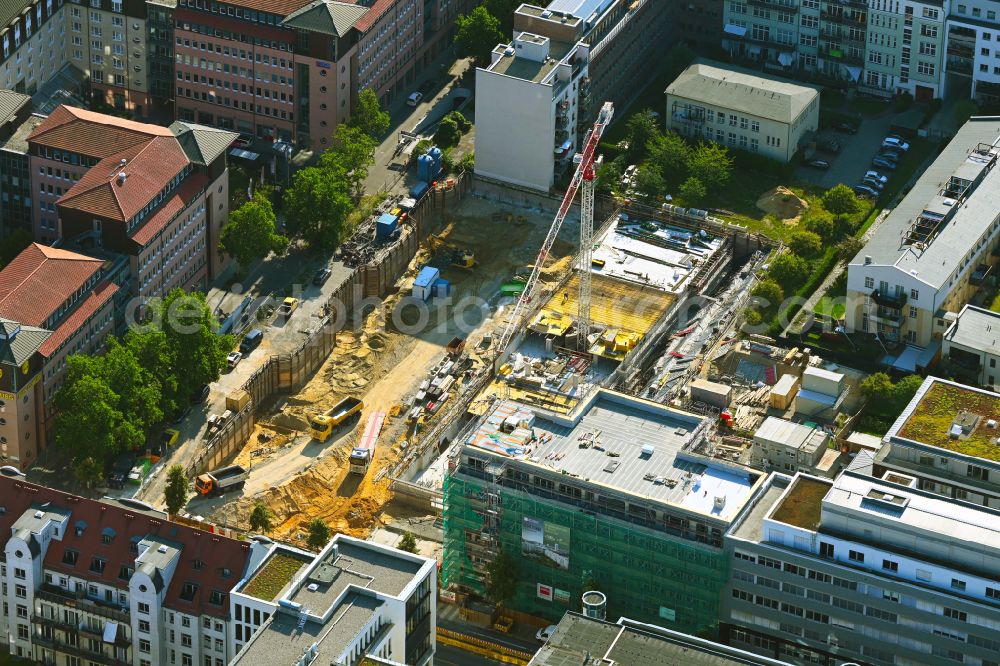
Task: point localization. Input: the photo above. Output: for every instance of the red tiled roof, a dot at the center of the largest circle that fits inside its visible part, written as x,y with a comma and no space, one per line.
149,167
39,280
91,304
214,553
178,201
94,134
378,8
277,7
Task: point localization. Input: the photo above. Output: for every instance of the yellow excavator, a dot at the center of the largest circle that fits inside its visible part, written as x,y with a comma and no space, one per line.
459,257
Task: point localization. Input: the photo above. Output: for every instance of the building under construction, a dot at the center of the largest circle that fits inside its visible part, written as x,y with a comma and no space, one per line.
613,495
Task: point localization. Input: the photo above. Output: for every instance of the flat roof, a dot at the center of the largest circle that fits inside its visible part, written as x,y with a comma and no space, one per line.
935,264
624,443
580,8
802,504
527,69
751,526
630,643
752,93
976,328
794,435
18,141
939,405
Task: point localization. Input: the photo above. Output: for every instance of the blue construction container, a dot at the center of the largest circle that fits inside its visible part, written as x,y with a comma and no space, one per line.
419,189
423,285
442,288
385,226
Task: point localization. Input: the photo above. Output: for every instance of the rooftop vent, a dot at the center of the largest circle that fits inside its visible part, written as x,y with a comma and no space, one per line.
121,177
546,14
312,587
39,514
123,162
508,51
162,549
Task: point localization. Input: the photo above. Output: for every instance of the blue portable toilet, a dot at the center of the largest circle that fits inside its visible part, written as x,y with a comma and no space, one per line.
385,226
442,288
423,286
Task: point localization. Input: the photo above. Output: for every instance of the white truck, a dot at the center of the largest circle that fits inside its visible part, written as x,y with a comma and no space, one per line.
221,480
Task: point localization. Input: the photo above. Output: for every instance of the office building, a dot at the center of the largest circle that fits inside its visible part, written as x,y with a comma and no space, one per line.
582,639
154,194
353,600
614,495
53,303
946,440
16,122
750,112
970,344
933,252
564,61
863,570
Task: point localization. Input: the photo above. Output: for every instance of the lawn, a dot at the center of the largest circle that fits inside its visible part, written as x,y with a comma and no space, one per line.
270,580
831,308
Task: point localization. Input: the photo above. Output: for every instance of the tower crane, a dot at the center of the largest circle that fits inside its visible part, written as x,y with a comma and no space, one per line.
584,174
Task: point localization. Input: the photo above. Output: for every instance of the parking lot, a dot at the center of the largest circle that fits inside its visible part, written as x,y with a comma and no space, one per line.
855,157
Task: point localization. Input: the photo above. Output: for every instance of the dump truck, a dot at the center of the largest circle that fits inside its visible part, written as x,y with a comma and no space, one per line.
363,454
322,425
221,480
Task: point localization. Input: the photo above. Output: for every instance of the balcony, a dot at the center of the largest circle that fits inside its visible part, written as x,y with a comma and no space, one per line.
839,4
888,317
780,5
894,301
84,604
959,65
840,55
979,275
845,18
843,37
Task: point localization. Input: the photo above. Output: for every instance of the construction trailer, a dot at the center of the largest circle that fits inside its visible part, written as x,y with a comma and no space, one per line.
423,285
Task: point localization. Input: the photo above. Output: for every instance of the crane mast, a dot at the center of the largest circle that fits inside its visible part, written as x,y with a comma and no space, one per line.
585,166
586,256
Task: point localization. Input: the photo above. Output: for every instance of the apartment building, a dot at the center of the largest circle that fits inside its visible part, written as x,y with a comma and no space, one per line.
16,122
970,346
972,51
905,49
160,55
156,195
946,440
32,43
53,303
864,570
354,600
750,112
935,249
612,496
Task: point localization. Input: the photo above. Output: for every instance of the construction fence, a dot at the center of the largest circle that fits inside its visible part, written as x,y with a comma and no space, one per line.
283,373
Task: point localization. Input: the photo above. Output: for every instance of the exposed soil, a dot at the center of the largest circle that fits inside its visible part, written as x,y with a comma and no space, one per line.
783,204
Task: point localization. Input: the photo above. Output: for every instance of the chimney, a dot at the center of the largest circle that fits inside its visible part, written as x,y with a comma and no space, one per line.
868,259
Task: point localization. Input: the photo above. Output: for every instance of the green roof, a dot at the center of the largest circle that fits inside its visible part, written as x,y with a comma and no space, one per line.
943,405
326,16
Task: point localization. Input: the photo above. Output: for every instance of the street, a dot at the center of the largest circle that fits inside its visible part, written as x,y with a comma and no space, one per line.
447,655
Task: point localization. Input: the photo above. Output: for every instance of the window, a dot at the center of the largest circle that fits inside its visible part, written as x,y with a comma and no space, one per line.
885,616
869,283
144,626
993,593
855,556
20,591
70,556
961,616
957,584
825,549
924,576
144,645
143,608
20,573
913,312
889,565
979,473
97,564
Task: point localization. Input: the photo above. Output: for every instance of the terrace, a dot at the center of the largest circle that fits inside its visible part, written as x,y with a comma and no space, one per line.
955,418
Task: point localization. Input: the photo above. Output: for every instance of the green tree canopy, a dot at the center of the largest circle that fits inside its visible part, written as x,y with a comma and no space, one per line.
840,200
138,389
821,222
789,270
447,134
319,534
250,232
149,347
477,34
609,176
407,542
348,158
317,208
768,296
849,248
501,578
503,10
176,492
640,129
649,181
368,116
712,164
805,244
692,190
670,152
260,517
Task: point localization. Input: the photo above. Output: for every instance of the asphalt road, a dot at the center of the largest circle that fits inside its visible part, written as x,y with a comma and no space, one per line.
445,655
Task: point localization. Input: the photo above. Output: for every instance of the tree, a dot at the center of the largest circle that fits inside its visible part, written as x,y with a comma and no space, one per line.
789,269
260,517
670,153
768,295
877,387
319,534
640,129
840,200
317,208
447,133
752,317
138,389
501,578
904,390
692,190
477,34
712,164
649,181
407,542
368,116
821,222
197,353
348,158
176,491
88,471
805,244
609,176
849,248
503,10
88,424
250,233
468,162
148,344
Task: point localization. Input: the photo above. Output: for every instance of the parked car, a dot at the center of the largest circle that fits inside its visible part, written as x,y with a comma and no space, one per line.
846,128
877,176
895,143
865,191
201,395
830,146
287,307
251,340
414,98
818,164
321,276
873,183
181,415
234,358
883,163
244,140
546,633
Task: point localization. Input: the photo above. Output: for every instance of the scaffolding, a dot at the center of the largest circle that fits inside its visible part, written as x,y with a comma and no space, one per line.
648,575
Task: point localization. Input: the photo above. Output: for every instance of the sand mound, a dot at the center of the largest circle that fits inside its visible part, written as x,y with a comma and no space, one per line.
783,203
